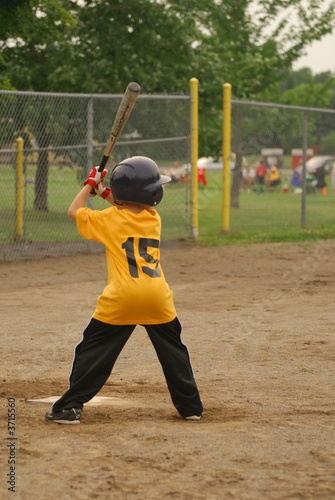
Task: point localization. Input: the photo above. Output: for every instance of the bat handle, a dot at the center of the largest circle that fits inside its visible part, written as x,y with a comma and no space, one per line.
103,163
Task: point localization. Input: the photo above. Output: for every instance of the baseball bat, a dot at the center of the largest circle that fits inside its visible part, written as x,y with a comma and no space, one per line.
122,115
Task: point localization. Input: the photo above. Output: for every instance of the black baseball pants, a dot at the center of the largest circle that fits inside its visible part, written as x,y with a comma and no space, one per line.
99,349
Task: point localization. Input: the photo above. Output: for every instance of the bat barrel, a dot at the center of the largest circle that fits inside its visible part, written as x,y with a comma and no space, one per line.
134,87
125,108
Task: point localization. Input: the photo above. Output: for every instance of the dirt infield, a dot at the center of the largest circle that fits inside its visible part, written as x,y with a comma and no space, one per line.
259,325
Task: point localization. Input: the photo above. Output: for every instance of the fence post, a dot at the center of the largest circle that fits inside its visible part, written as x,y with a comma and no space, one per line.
226,140
89,154
304,173
19,188
194,155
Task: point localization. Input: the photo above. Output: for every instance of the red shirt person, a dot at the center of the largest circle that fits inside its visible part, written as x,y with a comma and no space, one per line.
261,172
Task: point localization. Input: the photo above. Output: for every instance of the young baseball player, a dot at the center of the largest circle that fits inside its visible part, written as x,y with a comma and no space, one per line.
136,293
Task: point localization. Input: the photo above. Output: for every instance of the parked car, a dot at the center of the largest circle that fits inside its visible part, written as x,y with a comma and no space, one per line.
319,167
323,163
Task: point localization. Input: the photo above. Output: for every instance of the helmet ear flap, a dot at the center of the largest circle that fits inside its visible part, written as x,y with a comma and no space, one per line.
157,195
115,201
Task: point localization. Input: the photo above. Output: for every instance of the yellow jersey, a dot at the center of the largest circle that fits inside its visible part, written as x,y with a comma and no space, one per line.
137,292
274,174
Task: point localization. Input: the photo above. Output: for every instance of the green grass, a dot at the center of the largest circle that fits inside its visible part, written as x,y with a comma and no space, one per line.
269,217
63,185
39,226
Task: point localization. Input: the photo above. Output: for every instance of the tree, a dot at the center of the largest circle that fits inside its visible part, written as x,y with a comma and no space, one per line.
14,15
313,95
33,61
328,144
149,42
251,45
38,59
101,46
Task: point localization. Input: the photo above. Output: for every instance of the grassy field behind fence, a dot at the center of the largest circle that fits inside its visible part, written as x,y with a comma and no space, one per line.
274,216
63,185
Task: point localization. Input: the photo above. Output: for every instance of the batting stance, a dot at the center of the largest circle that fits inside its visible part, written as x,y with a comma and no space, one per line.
136,293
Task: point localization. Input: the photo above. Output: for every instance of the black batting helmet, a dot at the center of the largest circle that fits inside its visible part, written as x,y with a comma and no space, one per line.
137,180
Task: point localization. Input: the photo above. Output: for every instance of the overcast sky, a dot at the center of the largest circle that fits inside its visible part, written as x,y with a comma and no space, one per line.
320,56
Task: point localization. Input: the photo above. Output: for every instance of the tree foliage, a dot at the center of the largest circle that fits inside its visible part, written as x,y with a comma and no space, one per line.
99,46
38,56
252,45
14,15
149,42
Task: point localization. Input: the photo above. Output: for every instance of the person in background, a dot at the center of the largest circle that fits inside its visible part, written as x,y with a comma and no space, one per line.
248,177
273,179
261,173
295,180
332,175
177,173
202,176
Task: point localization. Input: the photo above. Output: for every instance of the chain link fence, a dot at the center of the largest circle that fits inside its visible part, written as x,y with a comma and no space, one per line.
300,143
64,135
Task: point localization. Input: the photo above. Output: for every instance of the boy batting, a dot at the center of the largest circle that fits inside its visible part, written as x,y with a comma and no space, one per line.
136,292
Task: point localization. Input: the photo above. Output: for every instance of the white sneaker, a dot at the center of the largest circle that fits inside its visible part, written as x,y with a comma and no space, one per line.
193,417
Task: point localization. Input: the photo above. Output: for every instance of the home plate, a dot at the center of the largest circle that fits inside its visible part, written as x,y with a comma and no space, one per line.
96,401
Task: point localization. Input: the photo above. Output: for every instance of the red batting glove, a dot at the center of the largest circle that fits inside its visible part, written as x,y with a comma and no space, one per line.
95,177
102,191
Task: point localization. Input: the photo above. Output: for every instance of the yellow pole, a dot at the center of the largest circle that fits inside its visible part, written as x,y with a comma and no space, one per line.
194,139
19,185
226,157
